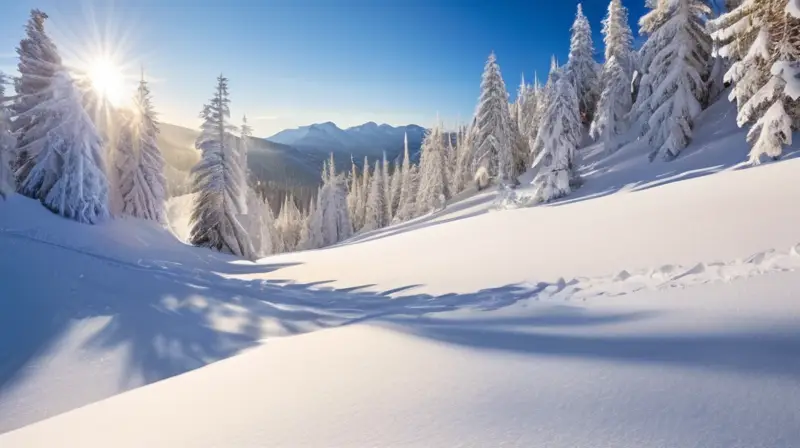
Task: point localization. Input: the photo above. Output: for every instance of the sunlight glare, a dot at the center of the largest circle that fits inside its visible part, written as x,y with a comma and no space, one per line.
108,81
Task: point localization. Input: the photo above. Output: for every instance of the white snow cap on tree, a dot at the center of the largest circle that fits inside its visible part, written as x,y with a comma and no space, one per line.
289,223
39,62
581,66
66,169
387,189
259,223
673,86
217,182
336,225
432,173
355,197
408,191
615,100
138,161
396,187
375,211
761,38
7,144
493,133
559,137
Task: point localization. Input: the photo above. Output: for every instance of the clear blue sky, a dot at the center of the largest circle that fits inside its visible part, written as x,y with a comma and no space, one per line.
296,62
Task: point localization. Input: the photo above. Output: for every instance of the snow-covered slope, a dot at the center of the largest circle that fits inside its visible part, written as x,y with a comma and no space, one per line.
654,307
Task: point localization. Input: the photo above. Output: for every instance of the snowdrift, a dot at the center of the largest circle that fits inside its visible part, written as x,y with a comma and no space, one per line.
653,307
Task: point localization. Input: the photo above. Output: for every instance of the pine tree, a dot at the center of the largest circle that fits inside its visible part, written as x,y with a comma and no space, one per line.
405,206
432,178
559,138
387,190
245,134
375,211
39,62
465,162
336,225
259,224
581,66
7,144
545,99
354,194
288,224
762,38
493,134
217,181
396,187
673,88
66,172
138,163
311,234
521,150
366,187
533,109
615,100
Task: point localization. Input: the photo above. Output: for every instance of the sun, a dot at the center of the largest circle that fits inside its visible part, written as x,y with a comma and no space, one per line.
108,81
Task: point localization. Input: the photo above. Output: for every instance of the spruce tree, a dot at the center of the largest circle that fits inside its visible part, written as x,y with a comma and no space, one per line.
7,144
354,201
336,225
39,62
673,87
559,139
580,66
396,187
217,181
387,190
139,165
615,100
375,210
405,205
432,175
465,162
493,134
289,223
762,38
366,187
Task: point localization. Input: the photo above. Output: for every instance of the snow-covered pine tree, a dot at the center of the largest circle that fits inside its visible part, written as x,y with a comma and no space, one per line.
311,234
580,66
336,225
354,201
405,205
7,143
532,115
465,162
762,37
396,187
615,100
245,134
432,178
288,223
217,180
138,163
545,99
675,58
387,189
65,168
375,210
366,187
493,133
520,143
259,223
559,137
39,62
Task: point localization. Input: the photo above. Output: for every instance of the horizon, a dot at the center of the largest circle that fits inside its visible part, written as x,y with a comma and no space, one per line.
398,63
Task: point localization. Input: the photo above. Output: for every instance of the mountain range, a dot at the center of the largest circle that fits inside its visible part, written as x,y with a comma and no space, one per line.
368,139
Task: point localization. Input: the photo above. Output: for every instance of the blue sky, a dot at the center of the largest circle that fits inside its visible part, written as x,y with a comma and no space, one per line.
296,62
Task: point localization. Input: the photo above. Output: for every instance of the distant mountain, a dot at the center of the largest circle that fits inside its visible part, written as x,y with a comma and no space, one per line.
369,139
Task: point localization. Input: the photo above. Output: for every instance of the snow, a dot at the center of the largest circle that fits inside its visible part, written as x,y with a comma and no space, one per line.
654,306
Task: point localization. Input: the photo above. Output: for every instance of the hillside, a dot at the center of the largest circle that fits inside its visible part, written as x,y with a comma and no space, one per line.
654,307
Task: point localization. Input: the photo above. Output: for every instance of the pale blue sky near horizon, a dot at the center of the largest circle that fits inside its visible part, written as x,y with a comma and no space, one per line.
293,63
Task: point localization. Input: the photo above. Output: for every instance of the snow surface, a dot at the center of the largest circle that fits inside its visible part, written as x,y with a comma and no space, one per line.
654,307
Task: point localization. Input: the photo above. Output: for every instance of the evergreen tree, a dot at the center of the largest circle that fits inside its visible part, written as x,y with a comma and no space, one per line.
545,99
405,207
336,225
465,162
532,115
432,175
311,235
354,197
396,187
245,134
762,38
673,88
138,163
7,144
375,211
615,100
217,181
493,133
289,224
387,190
366,187
66,171
39,62
581,66
559,138
259,223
